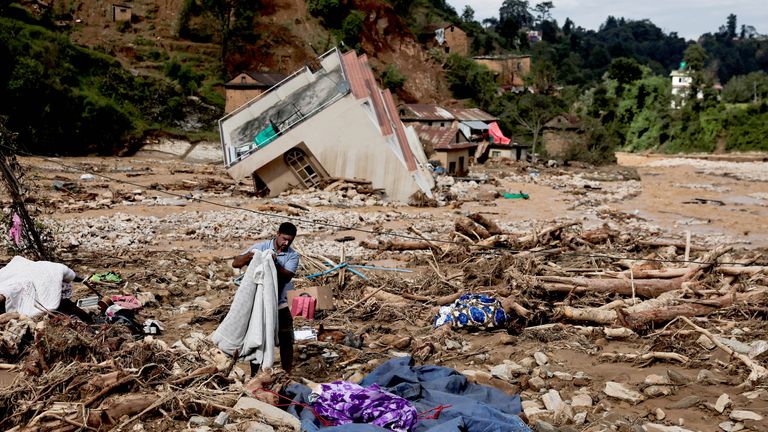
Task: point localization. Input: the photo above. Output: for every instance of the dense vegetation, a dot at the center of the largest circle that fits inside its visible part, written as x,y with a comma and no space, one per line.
66,99
616,79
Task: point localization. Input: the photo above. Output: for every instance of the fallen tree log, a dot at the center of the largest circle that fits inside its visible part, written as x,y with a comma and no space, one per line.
535,238
388,245
737,271
470,229
491,226
757,372
647,288
638,319
646,357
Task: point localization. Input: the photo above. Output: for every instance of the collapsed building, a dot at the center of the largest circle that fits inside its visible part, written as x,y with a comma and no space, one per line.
332,121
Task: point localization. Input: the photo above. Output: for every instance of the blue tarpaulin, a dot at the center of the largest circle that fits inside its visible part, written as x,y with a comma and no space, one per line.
473,407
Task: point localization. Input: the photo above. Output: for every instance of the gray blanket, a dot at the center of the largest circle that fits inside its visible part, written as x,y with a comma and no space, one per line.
250,326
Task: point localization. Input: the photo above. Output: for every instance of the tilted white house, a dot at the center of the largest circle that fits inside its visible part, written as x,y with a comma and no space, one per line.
331,122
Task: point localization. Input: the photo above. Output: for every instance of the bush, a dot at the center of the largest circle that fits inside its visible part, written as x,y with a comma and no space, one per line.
352,27
392,78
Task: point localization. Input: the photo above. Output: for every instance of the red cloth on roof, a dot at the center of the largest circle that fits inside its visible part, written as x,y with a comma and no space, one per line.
495,133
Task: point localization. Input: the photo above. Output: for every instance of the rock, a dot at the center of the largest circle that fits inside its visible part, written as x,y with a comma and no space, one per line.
658,390
741,415
705,342
563,376
259,427
528,362
541,358
756,394
655,427
739,347
657,380
677,378
542,426
564,414
730,426
552,400
199,421
452,344
684,403
618,333
758,348
722,403
618,391
536,383
534,411
221,419
660,414
580,418
581,400
707,377
272,415
507,370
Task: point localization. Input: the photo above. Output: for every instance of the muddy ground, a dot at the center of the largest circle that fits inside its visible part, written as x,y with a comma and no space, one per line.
171,228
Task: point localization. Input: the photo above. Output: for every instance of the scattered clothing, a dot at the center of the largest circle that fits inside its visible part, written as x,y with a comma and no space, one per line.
106,277
15,231
473,311
251,324
304,306
32,287
521,195
344,402
127,302
465,406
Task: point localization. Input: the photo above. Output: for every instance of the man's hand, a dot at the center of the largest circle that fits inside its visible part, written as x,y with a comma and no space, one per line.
242,260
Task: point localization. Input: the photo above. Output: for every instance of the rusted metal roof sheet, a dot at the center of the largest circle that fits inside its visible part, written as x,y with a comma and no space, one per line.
471,114
354,73
426,112
389,103
442,138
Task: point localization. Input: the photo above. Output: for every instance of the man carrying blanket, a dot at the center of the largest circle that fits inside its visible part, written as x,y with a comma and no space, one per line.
249,327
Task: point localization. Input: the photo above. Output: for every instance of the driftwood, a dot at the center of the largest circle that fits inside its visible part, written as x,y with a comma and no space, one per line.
665,243
638,319
491,226
388,245
535,238
275,208
646,356
470,229
757,372
647,288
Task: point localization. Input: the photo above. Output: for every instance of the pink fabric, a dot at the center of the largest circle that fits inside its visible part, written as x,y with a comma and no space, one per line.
15,231
304,306
495,132
126,302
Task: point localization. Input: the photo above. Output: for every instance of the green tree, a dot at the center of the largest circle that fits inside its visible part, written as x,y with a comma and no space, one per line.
468,15
227,14
531,111
543,11
352,28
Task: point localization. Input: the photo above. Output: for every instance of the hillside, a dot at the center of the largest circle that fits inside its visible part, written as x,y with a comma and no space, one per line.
285,37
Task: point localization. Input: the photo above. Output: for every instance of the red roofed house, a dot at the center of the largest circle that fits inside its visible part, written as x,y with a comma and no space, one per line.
331,122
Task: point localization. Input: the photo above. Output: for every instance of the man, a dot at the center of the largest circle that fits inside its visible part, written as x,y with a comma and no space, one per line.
286,262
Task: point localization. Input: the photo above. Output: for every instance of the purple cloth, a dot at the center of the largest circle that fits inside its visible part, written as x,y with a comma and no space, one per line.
345,402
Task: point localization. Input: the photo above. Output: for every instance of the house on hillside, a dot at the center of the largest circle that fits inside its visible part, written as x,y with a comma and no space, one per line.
510,70
121,12
333,121
449,146
681,86
248,85
447,37
563,135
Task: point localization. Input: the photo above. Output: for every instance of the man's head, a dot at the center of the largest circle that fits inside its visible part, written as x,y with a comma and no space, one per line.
285,235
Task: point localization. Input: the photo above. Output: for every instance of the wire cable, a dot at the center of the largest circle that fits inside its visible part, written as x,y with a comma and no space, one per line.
372,232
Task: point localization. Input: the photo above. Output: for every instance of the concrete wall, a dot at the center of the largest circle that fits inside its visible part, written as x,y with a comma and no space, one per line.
279,176
346,142
237,97
456,40
446,157
558,143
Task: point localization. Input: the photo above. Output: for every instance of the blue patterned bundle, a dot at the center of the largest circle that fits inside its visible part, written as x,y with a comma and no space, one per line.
473,310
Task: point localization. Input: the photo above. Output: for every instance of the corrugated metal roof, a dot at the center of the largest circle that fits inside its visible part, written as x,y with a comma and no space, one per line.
363,84
441,138
426,112
475,124
468,114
